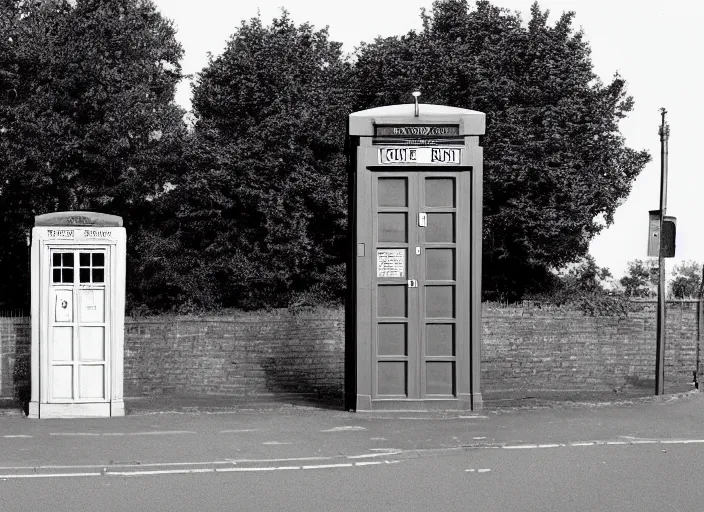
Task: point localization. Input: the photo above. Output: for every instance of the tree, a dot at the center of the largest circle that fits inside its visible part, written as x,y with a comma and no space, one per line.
641,279
686,280
87,118
585,276
555,161
264,200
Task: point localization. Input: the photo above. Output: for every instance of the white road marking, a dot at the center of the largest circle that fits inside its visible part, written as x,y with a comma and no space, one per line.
17,436
47,475
370,455
238,461
344,429
276,442
604,443
328,466
184,471
478,438
147,433
239,430
472,417
72,434
483,470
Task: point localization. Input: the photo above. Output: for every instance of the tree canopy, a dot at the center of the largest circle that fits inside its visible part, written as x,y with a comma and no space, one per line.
261,211
686,280
556,166
87,118
248,208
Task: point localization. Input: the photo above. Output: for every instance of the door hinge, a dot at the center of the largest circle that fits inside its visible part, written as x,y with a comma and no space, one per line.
412,283
422,219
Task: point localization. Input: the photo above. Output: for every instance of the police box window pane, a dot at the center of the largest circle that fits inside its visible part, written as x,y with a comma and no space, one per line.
67,275
392,227
98,259
98,275
56,259
84,275
440,192
56,275
393,192
68,259
84,259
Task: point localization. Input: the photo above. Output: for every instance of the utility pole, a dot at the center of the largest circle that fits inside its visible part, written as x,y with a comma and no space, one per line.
660,347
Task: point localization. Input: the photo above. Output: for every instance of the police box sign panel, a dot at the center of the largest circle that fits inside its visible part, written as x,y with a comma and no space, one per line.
417,131
420,155
73,234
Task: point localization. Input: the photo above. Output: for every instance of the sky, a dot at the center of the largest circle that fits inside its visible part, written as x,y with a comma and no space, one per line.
655,45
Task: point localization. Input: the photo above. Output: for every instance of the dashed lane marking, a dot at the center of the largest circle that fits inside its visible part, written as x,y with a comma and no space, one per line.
276,442
17,436
344,429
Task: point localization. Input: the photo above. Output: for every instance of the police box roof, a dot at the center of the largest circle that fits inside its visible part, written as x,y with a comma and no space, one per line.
470,122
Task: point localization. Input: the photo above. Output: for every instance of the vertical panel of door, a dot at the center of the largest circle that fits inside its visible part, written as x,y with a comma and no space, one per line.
93,333
394,333
438,281
62,327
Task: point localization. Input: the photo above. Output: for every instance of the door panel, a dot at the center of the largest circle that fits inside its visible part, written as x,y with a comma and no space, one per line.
78,342
414,295
438,282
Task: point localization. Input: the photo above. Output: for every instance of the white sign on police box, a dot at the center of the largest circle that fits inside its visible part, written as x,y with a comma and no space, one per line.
390,262
419,155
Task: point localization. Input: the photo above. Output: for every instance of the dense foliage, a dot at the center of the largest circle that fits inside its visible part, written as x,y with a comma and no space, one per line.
555,162
87,120
248,208
262,208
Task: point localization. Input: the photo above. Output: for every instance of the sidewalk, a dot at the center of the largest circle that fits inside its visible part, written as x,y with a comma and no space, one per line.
276,433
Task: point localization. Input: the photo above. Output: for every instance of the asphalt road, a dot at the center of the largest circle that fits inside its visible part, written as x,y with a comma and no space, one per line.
638,456
639,478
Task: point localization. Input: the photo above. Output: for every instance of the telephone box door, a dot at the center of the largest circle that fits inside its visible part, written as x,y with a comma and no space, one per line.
419,258
78,326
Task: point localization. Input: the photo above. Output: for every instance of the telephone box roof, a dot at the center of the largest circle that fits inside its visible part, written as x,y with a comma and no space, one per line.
78,219
470,122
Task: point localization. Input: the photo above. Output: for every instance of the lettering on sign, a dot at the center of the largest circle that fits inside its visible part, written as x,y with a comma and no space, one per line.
390,262
59,233
78,219
422,131
420,155
96,233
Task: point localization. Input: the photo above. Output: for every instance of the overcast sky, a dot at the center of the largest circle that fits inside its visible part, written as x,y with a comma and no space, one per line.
655,45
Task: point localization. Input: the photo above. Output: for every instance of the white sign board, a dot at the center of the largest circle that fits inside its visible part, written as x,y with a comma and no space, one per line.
419,155
390,262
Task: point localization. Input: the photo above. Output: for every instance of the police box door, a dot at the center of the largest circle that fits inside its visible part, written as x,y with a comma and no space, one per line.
78,335
420,283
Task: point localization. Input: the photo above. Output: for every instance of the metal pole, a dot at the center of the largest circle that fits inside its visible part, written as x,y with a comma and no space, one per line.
660,347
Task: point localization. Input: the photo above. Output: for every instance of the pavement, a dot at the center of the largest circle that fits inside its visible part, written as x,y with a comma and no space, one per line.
159,436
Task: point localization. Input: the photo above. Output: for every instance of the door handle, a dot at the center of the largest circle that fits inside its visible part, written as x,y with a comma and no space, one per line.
423,220
412,283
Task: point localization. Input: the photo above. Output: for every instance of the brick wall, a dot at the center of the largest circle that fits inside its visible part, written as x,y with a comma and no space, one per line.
536,349
262,354
256,355
15,347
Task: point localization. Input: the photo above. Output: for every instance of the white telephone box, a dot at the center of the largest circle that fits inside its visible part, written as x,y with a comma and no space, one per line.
78,310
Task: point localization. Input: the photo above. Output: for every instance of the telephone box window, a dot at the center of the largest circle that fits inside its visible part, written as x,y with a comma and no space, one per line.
62,267
92,267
